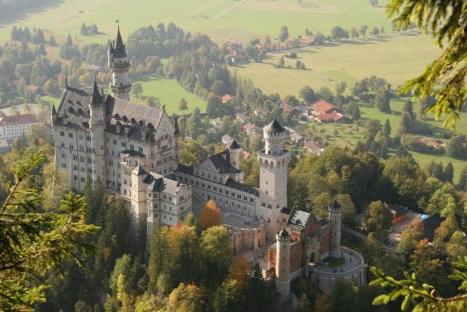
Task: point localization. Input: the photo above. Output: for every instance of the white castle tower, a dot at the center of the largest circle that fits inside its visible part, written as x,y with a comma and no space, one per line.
120,66
273,163
283,263
334,210
97,127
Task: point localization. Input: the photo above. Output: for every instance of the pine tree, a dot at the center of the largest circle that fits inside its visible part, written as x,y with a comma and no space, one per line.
387,128
448,172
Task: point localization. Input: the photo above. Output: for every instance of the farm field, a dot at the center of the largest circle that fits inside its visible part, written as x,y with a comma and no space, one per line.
350,134
239,19
169,93
396,59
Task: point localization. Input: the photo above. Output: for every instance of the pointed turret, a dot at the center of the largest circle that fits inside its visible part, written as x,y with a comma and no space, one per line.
177,130
96,96
119,50
120,66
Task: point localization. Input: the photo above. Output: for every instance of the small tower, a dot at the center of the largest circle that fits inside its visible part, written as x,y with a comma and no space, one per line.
334,210
120,66
273,166
54,115
176,139
97,127
283,263
234,154
138,211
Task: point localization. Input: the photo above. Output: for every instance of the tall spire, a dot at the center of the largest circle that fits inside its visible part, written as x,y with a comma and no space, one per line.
120,50
96,96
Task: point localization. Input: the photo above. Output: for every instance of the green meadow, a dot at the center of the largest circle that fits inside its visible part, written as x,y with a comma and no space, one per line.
168,92
221,19
350,134
395,58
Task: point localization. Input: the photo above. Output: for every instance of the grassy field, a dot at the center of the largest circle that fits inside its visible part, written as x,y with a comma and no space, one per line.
221,19
395,59
350,134
169,93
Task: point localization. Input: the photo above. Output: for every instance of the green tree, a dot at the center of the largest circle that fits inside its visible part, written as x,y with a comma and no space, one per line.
307,94
137,89
462,183
387,128
35,243
229,297
379,218
186,298
216,251
448,172
445,76
183,105
405,124
338,33
283,33
418,296
382,99
457,146
281,62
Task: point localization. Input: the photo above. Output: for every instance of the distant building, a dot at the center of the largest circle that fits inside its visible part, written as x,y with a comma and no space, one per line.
16,126
324,112
226,98
312,147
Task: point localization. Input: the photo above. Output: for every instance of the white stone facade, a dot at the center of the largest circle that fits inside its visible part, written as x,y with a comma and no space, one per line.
15,126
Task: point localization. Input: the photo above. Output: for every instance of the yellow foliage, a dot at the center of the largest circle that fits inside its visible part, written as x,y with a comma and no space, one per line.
210,215
239,269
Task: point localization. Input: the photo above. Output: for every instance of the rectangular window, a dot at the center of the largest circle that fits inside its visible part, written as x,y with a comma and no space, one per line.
70,135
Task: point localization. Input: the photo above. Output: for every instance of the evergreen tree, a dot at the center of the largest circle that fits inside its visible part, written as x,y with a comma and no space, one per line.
448,173
387,128
284,33
462,183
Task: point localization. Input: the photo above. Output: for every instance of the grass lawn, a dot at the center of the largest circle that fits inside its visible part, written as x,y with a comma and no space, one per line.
395,58
221,19
169,93
347,134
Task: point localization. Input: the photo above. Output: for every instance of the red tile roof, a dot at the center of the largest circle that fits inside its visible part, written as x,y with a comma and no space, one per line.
226,98
18,119
333,116
323,107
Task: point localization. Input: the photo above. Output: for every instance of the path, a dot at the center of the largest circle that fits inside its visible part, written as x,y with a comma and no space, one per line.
363,236
230,9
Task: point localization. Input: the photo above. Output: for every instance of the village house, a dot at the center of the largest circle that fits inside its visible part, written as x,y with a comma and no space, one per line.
15,126
313,147
324,112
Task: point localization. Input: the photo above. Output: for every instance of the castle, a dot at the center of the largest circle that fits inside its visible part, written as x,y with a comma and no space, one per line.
133,150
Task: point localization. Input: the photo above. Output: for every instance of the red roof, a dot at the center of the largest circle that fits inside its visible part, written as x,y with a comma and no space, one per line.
323,107
226,98
18,119
332,116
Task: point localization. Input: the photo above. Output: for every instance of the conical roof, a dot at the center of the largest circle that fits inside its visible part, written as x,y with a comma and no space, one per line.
119,50
96,96
275,126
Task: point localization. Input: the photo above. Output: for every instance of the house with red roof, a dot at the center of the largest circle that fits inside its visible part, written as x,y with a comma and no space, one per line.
226,98
324,112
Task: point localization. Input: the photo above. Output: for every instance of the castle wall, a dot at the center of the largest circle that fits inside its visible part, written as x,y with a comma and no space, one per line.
228,199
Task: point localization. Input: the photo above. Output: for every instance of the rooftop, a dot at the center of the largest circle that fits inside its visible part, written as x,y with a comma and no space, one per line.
18,119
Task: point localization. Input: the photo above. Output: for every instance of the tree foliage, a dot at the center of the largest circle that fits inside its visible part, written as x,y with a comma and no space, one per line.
445,76
34,242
